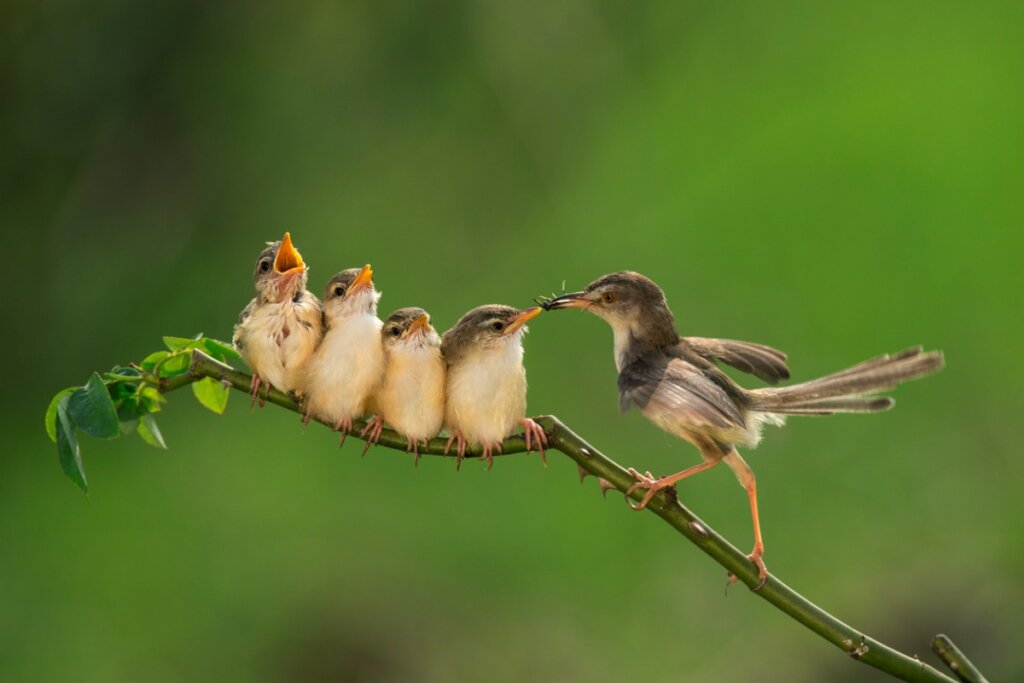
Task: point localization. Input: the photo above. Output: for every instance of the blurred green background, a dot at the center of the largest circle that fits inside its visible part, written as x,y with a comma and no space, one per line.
835,179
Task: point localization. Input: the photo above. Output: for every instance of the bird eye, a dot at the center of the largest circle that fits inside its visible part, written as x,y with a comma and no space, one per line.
339,290
395,332
608,297
497,326
264,265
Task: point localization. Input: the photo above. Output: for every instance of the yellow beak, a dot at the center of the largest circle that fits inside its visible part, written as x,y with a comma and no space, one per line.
288,258
420,324
363,281
521,319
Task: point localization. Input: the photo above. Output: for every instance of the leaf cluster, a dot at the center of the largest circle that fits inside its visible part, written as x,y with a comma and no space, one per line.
125,399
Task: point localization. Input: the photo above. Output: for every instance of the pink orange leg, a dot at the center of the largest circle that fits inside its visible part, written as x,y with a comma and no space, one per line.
371,432
460,447
535,437
344,426
646,481
745,475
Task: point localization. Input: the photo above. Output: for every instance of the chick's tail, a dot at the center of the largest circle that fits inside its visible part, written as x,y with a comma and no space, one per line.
849,391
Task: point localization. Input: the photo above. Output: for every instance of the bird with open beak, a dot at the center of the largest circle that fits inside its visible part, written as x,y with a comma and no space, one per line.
348,366
675,383
411,397
279,330
485,387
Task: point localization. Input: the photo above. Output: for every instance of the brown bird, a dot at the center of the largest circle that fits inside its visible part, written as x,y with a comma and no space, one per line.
485,389
411,397
675,383
280,328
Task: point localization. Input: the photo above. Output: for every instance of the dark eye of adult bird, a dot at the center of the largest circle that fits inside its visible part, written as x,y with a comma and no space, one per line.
608,297
339,290
264,265
498,326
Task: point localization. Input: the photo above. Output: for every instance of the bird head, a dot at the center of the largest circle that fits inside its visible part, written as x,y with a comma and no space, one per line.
487,328
280,273
351,292
630,302
409,328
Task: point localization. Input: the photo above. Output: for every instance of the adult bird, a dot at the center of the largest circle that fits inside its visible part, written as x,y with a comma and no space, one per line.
675,383
281,327
348,366
485,388
411,396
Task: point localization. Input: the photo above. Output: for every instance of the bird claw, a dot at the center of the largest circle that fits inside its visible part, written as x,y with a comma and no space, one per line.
254,391
372,431
413,446
344,426
460,448
643,481
535,437
757,558
488,454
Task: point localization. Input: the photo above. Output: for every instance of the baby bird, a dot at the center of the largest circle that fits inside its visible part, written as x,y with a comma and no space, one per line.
348,365
280,328
411,398
485,388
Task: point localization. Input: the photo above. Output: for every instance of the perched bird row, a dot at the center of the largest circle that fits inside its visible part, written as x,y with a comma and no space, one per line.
341,362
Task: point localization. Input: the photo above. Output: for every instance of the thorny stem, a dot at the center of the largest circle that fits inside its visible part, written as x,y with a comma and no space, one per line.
590,460
956,660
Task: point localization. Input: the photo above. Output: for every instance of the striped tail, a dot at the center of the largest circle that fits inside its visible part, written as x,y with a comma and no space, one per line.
851,390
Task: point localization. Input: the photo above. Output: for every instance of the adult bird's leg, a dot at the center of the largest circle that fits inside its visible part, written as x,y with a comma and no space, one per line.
646,481
535,437
371,432
745,475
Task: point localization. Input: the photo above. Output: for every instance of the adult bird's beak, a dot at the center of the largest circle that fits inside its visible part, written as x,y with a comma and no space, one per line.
521,319
573,300
363,281
419,325
288,260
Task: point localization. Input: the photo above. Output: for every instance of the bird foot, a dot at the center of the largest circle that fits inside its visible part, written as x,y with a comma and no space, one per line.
254,391
460,447
344,427
645,481
306,417
535,437
371,432
488,453
413,446
757,557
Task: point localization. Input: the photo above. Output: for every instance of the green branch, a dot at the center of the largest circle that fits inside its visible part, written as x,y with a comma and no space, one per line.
956,660
189,363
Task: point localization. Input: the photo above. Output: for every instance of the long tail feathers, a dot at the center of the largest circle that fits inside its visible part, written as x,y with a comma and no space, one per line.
850,390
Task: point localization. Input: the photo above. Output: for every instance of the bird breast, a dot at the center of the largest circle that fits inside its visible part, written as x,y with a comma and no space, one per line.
346,368
278,339
486,394
412,397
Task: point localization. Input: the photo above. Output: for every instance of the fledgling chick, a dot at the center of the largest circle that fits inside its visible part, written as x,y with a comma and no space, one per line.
485,387
411,397
279,330
348,365
675,383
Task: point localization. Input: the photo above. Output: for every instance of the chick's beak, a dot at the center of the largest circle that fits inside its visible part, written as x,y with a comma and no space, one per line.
364,280
288,260
573,300
420,325
520,319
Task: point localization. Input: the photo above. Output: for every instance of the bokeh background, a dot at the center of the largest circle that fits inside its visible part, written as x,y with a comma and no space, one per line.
835,179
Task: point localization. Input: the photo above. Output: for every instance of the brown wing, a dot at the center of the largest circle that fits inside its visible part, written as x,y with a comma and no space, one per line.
757,359
665,386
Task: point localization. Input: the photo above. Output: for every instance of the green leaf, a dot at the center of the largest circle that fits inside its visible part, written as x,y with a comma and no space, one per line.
222,351
153,359
67,446
150,400
211,394
128,413
92,410
182,343
176,365
150,433
51,412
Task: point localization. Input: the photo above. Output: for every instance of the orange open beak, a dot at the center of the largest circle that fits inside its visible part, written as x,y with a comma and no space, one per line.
419,325
521,319
364,280
288,259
